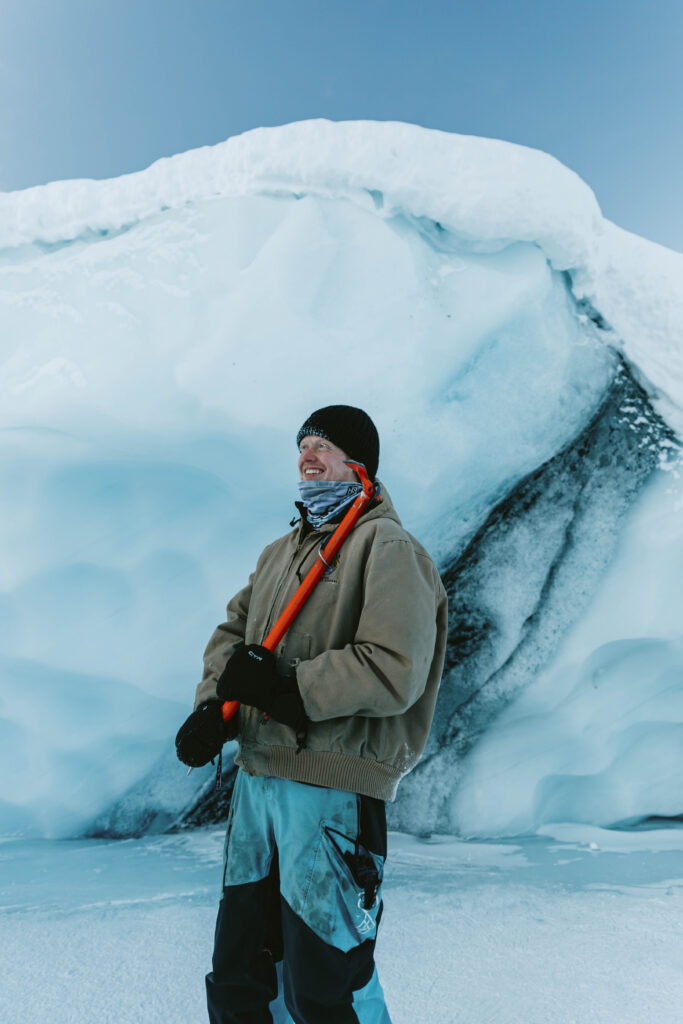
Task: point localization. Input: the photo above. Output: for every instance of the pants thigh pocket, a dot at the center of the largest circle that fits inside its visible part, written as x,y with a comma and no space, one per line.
343,894
249,845
234,799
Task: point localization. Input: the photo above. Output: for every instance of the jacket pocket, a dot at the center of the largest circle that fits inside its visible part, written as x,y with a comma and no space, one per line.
295,647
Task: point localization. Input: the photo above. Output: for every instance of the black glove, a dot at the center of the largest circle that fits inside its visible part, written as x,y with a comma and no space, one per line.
201,737
251,678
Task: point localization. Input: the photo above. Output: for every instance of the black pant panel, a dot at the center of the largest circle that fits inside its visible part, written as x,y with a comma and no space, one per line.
373,825
243,981
319,979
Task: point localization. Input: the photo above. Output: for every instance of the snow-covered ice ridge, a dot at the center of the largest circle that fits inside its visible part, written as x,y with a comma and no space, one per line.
165,334
486,192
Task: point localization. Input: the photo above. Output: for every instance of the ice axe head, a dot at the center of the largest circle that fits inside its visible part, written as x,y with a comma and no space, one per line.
360,470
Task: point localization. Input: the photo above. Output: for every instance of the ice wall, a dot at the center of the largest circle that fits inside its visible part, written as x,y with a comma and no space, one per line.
519,590
165,334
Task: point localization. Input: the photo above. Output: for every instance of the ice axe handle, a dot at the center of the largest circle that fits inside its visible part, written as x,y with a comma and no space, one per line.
316,571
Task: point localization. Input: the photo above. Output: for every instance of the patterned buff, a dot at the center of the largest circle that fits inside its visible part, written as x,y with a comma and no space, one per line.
325,499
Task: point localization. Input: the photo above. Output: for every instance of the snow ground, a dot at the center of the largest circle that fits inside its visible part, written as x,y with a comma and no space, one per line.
573,926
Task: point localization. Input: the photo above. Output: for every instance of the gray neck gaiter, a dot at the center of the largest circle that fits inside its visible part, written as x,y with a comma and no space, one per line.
325,499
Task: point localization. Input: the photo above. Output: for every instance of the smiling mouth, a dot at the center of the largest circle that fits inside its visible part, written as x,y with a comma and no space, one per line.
312,471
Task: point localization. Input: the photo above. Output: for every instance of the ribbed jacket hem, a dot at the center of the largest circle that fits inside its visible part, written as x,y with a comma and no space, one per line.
324,768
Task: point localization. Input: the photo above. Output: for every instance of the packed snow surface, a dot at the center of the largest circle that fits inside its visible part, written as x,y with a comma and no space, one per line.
577,925
166,333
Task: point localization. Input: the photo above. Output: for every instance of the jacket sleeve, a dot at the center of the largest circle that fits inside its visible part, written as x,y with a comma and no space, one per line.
384,670
223,642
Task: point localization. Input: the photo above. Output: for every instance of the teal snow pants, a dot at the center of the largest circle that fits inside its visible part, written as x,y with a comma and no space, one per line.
297,921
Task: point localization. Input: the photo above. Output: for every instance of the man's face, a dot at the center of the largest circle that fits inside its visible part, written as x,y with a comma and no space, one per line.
321,460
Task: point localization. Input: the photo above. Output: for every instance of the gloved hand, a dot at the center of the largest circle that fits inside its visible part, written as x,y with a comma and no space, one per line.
251,677
201,737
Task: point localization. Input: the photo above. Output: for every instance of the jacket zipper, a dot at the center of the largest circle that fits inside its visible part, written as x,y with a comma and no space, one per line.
283,579
285,576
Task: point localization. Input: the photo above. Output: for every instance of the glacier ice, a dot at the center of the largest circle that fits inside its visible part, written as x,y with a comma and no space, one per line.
516,590
165,333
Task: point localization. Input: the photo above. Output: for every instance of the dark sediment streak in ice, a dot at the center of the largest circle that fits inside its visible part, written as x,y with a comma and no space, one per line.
524,578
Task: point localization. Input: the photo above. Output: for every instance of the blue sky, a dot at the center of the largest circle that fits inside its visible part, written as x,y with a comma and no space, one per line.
95,89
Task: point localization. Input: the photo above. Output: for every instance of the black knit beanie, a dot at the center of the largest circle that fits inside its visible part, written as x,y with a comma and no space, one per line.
350,429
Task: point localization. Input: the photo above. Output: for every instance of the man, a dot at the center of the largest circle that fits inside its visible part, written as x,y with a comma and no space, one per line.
328,725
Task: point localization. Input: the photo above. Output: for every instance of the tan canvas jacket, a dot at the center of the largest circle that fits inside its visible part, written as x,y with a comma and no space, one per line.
367,648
